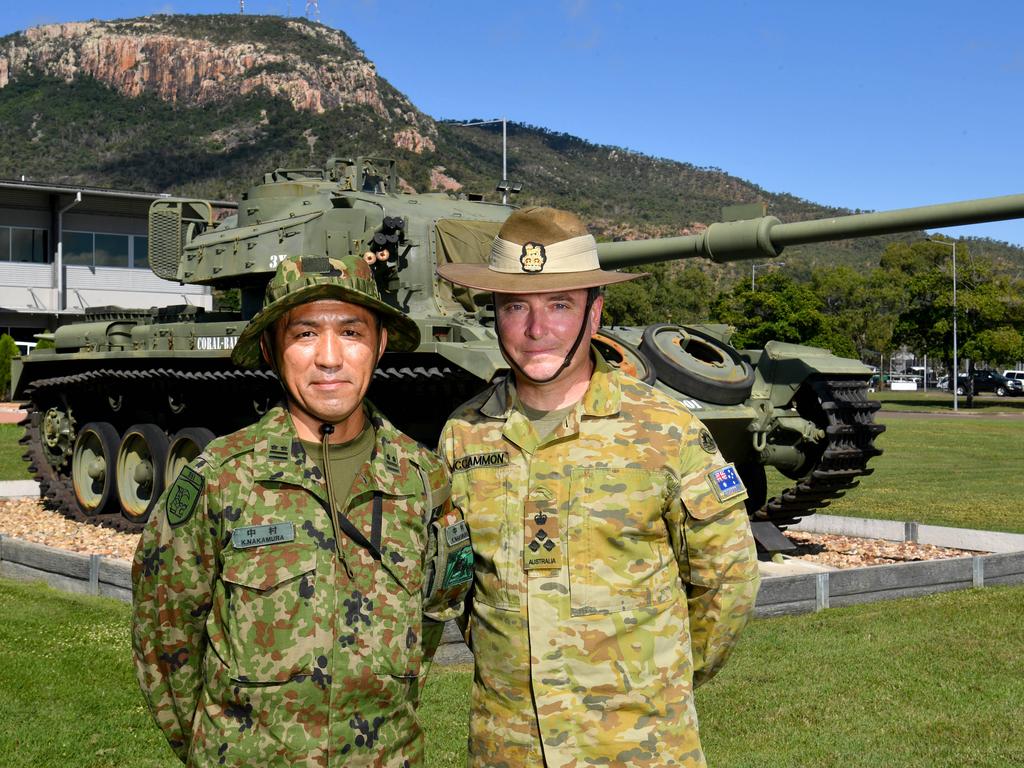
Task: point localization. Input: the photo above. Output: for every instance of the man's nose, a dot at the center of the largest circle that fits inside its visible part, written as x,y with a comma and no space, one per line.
536,324
328,351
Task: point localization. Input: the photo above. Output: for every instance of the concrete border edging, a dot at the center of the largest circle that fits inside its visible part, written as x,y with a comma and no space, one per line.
806,593
67,571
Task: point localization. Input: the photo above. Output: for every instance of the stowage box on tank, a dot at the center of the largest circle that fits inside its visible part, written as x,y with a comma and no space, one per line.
128,396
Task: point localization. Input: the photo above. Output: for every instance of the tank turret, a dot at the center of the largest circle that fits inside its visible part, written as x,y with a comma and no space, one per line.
127,397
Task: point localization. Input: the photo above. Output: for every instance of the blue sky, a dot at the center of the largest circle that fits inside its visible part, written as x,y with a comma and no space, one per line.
869,105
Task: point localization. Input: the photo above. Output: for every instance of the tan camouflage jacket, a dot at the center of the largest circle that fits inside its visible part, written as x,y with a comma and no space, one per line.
614,566
255,642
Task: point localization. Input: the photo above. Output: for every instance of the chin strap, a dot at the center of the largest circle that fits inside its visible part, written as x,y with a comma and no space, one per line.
592,295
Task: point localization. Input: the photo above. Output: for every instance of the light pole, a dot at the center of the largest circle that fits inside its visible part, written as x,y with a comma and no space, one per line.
955,378
503,186
754,268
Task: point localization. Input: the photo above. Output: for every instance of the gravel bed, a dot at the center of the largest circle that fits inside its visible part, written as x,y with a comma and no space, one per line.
838,551
27,520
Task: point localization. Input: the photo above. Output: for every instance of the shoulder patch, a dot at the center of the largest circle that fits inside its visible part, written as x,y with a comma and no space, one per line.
459,568
707,442
725,482
183,498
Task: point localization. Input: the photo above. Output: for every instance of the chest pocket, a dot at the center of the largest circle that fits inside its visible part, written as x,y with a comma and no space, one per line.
395,592
271,621
485,496
620,554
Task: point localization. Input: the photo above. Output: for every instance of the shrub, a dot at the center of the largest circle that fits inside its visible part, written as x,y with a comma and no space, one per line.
8,351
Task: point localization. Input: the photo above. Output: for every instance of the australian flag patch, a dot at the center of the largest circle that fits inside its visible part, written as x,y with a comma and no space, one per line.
725,482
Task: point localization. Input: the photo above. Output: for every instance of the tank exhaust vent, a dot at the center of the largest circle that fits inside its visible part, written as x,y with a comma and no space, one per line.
172,224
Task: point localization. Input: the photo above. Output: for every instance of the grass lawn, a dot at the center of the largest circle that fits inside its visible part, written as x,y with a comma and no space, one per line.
941,401
930,682
12,466
962,471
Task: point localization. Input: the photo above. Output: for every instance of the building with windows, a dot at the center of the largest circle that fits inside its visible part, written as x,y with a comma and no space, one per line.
66,248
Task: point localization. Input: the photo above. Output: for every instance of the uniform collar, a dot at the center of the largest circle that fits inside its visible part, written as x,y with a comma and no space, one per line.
279,456
602,398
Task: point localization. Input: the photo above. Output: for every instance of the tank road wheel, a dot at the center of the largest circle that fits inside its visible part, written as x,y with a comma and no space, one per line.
93,468
57,431
629,359
698,364
185,445
140,470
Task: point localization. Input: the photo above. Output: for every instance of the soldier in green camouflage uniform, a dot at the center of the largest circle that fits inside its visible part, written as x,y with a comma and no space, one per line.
614,564
272,626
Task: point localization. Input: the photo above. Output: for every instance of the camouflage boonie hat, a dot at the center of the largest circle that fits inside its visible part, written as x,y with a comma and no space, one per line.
302,279
537,250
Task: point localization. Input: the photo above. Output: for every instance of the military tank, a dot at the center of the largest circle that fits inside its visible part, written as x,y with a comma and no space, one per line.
127,396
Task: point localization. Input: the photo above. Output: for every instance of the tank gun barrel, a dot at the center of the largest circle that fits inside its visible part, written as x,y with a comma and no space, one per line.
766,237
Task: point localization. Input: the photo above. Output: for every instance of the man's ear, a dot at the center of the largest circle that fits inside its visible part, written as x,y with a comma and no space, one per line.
595,313
266,349
383,342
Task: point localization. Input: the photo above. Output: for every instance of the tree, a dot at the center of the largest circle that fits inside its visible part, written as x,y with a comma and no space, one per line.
780,309
988,311
666,295
862,307
8,351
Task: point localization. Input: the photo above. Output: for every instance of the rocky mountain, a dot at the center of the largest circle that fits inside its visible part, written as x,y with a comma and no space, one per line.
204,105
197,61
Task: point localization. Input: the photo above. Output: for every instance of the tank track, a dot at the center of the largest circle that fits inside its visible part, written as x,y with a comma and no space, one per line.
851,431
55,487
438,390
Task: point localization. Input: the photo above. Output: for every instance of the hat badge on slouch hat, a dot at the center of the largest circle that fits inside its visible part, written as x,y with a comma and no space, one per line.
537,250
302,279
533,257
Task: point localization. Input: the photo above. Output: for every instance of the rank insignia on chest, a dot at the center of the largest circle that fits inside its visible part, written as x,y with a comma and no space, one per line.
261,535
391,458
279,449
542,548
725,482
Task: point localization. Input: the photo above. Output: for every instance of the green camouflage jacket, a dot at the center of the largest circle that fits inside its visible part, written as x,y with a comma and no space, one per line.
262,637
613,568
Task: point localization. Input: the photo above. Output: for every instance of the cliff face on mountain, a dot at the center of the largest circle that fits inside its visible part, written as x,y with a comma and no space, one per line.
311,67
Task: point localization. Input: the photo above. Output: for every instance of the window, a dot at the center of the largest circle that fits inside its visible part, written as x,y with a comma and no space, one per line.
28,245
140,252
78,248
23,244
99,249
111,251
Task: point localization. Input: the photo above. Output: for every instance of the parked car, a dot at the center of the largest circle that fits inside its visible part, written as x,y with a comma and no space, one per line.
986,381
1015,379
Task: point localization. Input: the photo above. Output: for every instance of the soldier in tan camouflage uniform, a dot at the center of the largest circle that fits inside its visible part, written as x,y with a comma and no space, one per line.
614,564
281,620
